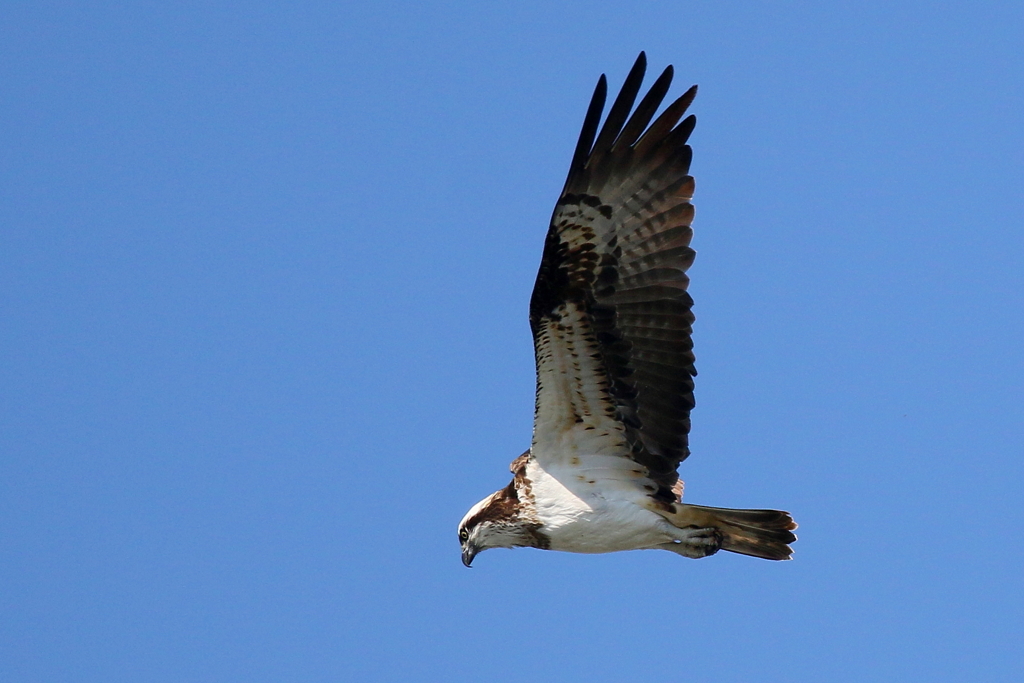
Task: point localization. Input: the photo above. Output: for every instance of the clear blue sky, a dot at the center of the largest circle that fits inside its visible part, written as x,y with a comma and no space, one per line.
264,272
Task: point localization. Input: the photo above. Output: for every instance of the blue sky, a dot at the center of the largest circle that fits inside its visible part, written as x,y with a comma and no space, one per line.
264,272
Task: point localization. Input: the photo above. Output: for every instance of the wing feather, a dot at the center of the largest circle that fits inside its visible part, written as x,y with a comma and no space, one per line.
620,108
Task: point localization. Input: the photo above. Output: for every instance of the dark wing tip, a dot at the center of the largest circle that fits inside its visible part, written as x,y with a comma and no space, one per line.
621,107
589,131
645,110
622,130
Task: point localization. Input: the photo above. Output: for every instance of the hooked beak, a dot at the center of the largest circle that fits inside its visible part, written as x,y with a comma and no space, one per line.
469,551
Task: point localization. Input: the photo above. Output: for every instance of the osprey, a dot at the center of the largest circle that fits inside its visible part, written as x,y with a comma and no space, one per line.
611,325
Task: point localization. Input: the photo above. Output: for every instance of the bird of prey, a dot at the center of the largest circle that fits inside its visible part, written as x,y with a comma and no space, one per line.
611,325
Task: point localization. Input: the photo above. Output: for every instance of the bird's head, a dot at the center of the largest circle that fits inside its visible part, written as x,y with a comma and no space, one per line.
495,522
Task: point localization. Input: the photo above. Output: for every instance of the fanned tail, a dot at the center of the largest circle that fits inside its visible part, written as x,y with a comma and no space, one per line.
758,533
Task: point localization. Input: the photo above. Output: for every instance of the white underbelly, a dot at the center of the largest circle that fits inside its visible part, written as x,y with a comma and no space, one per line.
600,535
587,520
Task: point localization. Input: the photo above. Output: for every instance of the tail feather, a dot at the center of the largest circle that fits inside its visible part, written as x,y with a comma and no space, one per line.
758,533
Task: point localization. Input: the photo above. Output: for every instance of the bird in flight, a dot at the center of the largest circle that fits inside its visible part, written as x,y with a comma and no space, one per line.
612,326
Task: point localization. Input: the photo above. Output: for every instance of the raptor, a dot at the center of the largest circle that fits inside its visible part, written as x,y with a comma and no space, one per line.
612,324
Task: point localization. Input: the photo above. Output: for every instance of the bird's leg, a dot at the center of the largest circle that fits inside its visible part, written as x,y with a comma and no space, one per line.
695,543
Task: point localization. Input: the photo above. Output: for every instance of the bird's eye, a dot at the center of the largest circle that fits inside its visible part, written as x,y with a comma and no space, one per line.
463,535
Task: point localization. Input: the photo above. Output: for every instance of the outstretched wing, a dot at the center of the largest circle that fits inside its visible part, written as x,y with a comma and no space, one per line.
610,313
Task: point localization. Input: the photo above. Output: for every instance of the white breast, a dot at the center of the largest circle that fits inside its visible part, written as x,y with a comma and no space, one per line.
595,509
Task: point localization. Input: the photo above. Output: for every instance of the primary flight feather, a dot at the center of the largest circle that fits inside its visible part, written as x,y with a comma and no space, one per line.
611,325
